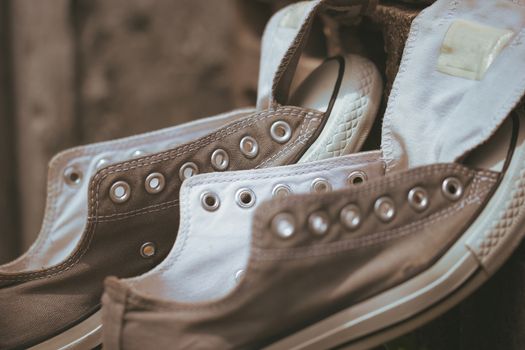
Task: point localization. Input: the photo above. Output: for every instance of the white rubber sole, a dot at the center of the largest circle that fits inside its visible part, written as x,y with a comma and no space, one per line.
465,266
84,336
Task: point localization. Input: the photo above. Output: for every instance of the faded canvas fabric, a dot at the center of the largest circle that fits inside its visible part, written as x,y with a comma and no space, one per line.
445,114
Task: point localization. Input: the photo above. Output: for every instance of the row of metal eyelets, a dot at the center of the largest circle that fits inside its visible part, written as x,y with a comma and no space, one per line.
120,192
320,185
284,225
245,198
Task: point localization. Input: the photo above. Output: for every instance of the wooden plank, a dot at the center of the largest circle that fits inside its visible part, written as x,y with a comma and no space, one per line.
145,65
9,231
43,56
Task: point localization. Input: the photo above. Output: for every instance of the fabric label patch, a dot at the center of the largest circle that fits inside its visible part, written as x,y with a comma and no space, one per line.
470,48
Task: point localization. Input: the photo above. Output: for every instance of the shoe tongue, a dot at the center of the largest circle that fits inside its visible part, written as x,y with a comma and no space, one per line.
460,76
284,38
278,36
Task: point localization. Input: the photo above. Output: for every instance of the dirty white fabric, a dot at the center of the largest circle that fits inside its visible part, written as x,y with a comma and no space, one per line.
279,34
438,117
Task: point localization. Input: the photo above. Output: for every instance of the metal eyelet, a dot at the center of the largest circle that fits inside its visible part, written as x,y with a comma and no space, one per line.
120,192
319,223
220,159
281,191
137,153
239,275
245,198
188,170
249,147
452,188
350,216
356,177
385,209
418,198
283,225
321,185
281,131
72,176
102,163
155,183
148,250
210,201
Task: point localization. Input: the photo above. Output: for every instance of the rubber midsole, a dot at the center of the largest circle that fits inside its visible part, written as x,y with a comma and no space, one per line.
85,335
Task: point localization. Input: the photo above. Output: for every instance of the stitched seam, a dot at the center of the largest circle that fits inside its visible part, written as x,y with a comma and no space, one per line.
131,212
153,210
293,49
70,263
387,137
307,169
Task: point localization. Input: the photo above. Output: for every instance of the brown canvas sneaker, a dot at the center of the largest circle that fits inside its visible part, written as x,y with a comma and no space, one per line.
357,267
133,205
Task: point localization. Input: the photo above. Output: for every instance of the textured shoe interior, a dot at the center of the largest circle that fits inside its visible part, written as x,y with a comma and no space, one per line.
66,211
355,108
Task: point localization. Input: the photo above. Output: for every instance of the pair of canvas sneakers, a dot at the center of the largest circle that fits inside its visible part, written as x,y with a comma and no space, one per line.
342,249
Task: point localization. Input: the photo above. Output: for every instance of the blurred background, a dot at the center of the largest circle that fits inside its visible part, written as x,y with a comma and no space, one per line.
80,71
